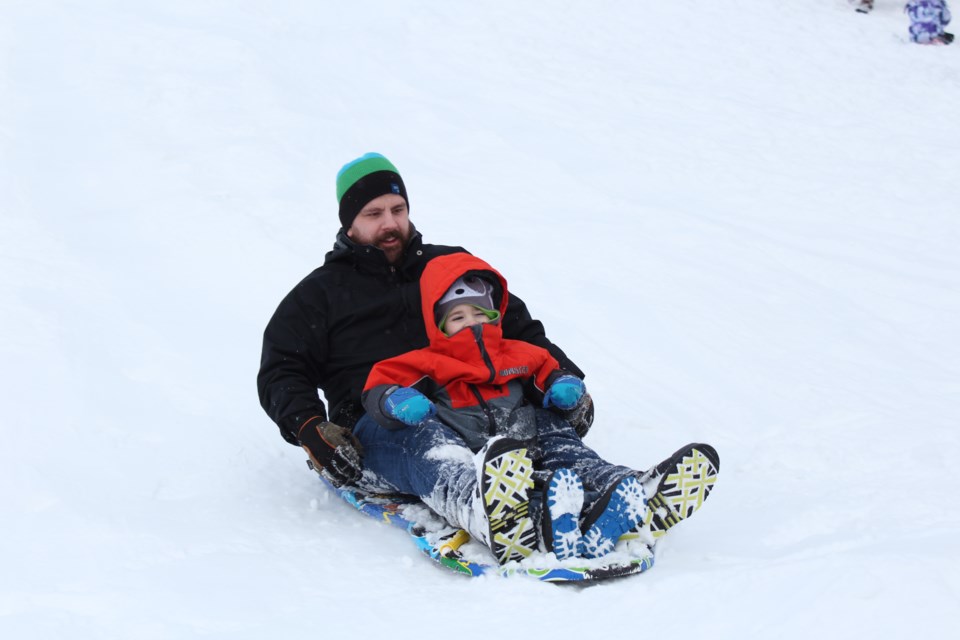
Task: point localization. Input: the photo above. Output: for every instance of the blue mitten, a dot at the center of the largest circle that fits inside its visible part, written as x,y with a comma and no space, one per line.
564,393
409,406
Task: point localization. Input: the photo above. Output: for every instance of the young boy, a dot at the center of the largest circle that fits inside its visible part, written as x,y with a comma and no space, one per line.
478,391
928,18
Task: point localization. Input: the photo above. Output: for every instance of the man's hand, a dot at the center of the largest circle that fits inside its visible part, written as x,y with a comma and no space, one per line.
409,406
565,393
334,451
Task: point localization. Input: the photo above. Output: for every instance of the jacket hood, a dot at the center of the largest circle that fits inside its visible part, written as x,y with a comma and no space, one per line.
440,274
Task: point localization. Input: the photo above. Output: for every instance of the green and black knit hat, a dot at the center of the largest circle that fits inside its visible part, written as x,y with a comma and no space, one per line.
360,181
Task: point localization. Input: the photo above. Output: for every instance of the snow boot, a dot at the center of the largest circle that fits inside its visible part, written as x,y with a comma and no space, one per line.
621,508
677,487
864,6
563,502
500,507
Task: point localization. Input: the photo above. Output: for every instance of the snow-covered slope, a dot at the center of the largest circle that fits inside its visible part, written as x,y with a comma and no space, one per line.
740,218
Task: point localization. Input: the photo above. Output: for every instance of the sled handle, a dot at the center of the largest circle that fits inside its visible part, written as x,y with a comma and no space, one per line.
451,546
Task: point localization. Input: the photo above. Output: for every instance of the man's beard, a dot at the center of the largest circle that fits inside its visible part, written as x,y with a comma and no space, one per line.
396,252
390,235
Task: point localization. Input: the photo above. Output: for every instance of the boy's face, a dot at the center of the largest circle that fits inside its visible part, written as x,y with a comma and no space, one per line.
463,316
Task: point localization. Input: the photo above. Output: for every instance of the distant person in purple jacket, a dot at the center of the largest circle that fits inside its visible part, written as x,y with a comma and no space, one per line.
928,18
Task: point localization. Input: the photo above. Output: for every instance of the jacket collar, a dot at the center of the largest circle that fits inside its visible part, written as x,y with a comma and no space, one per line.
463,344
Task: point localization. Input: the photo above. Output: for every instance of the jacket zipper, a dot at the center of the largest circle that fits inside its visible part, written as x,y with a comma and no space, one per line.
491,423
477,330
478,338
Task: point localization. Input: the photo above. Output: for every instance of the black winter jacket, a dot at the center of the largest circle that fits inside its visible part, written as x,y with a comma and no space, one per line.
352,312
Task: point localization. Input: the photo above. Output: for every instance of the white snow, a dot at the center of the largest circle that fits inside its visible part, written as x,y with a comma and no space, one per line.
449,453
741,219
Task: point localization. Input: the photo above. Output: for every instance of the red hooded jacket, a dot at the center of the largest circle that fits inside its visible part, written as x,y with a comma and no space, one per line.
481,382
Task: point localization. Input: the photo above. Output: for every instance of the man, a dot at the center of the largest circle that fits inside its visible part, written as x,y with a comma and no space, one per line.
360,307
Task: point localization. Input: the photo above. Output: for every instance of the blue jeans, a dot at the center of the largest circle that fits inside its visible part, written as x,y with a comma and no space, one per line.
433,462
413,460
429,460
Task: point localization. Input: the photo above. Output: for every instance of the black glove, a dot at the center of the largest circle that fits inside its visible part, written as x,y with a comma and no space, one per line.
334,451
581,416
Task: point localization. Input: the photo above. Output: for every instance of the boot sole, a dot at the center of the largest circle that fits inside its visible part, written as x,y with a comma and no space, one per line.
506,483
686,480
561,516
618,512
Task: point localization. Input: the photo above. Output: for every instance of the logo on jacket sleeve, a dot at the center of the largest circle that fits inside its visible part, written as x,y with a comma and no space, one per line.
514,371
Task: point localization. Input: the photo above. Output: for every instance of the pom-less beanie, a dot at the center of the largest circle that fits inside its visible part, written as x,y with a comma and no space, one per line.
360,181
